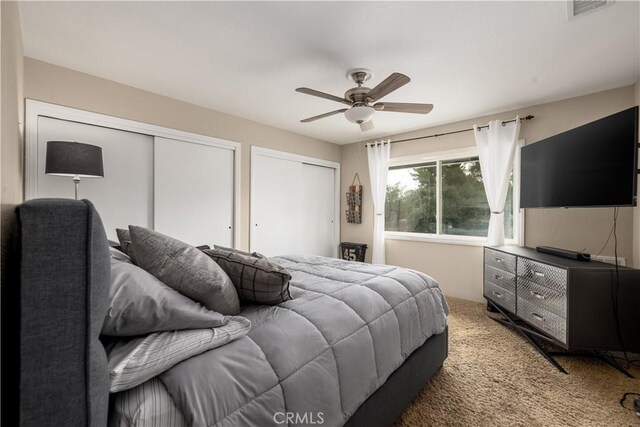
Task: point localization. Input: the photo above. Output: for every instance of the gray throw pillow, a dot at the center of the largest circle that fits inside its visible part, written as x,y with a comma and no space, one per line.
252,254
256,279
185,269
140,304
125,243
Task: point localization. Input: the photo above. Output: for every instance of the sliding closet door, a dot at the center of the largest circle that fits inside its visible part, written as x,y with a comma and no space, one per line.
194,197
293,205
318,210
276,206
125,195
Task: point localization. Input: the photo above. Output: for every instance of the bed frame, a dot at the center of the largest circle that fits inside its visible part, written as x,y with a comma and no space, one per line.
384,406
54,297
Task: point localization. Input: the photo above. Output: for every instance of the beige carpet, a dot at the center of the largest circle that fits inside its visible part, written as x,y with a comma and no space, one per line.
493,377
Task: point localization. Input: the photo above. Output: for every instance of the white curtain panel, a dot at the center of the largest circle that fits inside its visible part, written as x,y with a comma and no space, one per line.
496,148
378,154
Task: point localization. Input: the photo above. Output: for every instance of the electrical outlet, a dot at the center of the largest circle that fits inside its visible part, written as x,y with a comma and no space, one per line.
610,260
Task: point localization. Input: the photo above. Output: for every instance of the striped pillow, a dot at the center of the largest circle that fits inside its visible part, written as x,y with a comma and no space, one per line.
148,405
256,280
132,362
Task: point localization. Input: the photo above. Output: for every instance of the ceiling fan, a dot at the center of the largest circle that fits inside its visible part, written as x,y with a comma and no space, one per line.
362,101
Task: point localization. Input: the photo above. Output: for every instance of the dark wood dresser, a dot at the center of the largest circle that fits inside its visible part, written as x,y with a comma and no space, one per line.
574,303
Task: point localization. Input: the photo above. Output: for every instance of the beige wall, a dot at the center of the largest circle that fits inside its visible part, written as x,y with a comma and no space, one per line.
57,85
12,113
458,268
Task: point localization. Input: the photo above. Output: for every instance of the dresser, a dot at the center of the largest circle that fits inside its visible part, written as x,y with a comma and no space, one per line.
573,303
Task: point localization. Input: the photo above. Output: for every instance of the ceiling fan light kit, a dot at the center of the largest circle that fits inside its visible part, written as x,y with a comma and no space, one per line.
359,114
361,99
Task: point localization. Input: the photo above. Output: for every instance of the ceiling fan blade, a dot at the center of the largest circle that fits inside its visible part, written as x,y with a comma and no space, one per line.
319,94
322,116
403,107
388,85
365,126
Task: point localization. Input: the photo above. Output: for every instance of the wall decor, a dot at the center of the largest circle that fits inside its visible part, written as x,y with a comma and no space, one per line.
354,202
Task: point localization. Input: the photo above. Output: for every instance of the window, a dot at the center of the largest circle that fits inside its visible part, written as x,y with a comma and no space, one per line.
411,199
442,198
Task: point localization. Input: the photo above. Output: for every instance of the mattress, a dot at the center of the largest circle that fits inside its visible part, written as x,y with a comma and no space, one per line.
314,359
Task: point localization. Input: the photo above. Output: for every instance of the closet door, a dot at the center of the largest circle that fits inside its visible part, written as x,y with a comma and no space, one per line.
125,195
276,206
318,210
194,192
293,206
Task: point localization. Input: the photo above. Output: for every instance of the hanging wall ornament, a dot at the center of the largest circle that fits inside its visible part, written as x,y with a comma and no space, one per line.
354,202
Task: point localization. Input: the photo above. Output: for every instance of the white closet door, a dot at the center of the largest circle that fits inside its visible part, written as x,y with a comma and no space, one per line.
277,205
318,210
194,194
125,195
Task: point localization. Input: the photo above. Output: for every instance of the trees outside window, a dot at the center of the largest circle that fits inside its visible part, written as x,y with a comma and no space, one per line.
443,198
411,199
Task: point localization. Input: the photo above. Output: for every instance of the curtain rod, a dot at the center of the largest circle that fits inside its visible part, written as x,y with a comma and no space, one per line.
435,135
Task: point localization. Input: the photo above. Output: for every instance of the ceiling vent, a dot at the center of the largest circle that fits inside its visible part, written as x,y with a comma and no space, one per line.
577,8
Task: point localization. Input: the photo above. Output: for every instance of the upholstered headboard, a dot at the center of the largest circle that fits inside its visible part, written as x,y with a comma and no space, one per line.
57,302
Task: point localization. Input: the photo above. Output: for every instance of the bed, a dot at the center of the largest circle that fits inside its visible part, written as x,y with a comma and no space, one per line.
353,347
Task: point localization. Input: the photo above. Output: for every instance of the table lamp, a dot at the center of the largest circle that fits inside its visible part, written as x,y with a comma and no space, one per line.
75,159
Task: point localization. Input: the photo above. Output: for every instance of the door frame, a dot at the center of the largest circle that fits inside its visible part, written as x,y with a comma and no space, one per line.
35,109
257,151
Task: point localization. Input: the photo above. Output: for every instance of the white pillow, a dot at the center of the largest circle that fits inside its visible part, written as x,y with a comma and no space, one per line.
134,361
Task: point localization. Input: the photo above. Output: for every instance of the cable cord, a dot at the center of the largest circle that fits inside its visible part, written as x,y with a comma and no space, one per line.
615,308
616,287
625,363
606,242
624,398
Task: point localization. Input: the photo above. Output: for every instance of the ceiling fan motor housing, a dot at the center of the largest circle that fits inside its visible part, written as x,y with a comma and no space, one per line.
358,95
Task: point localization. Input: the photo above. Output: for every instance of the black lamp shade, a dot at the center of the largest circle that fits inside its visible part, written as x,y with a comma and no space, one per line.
74,158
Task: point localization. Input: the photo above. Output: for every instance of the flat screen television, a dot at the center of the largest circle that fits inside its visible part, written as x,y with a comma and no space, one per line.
594,165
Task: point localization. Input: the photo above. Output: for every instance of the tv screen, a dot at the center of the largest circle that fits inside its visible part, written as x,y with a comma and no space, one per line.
592,165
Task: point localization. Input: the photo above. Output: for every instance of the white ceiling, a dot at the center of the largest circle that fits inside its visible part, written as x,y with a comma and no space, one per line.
246,58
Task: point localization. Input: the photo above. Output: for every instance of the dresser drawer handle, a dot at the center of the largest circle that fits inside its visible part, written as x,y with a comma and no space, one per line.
537,317
497,276
538,295
537,273
498,294
498,259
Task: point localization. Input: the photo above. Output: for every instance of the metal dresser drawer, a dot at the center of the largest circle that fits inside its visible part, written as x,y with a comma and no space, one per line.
550,299
500,260
545,320
500,296
500,278
543,274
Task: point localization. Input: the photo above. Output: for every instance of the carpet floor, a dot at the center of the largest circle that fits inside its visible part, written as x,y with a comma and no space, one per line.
494,377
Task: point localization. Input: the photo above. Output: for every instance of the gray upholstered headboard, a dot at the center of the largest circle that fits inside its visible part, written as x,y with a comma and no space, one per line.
57,299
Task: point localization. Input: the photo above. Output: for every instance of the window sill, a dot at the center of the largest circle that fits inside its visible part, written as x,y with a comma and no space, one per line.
442,239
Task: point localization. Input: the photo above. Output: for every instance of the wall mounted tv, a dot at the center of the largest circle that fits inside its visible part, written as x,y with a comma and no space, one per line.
589,166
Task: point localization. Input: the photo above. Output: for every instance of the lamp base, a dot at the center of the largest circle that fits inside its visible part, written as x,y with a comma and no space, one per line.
76,181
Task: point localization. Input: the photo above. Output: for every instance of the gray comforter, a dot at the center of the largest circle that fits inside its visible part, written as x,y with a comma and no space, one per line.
318,356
